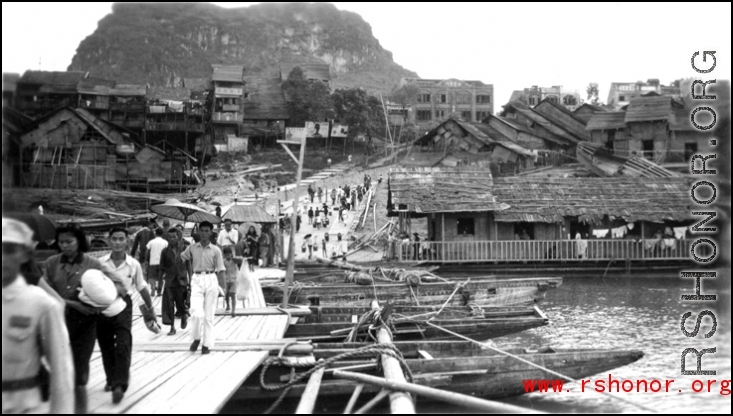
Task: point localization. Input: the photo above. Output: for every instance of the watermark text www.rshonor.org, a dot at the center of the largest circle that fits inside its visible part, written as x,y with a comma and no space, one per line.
613,385
709,175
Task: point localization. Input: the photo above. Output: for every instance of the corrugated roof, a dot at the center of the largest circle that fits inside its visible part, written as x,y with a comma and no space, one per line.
95,86
227,73
311,70
265,100
10,79
648,109
248,213
500,139
563,118
426,190
53,77
128,90
538,199
606,121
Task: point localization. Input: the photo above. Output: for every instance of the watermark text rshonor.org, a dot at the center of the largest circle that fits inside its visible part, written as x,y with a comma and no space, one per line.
698,228
613,385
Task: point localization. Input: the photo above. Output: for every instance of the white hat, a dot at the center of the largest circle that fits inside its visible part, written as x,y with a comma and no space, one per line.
99,291
17,232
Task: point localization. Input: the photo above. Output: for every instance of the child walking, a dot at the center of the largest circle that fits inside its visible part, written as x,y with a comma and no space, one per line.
232,265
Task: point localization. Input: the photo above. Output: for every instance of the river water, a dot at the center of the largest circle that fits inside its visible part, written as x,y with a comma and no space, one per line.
624,313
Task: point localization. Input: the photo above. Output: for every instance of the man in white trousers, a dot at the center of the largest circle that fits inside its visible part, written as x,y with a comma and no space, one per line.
206,263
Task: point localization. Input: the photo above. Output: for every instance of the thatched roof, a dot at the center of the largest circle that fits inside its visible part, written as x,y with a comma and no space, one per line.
542,121
539,199
227,73
95,86
248,213
606,121
266,100
128,90
591,199
562,117
648,109
426,190
477,137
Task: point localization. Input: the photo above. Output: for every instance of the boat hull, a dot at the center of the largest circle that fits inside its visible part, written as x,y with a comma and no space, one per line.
483,292
483,373
335,323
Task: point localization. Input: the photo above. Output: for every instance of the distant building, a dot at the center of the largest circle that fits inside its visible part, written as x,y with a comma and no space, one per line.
265,109
10,82
438,99
557,94
621,93
40,92
227,104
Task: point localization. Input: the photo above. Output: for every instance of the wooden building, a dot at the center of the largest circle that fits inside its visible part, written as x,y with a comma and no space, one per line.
227,102
475,144
586,110
562,118
474,217
93,95
127,106
534,125
40,92
73,149
609,130
265,109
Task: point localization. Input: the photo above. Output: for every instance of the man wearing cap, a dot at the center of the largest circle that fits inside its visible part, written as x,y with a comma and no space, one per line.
229,236
114,334
207,266
33,327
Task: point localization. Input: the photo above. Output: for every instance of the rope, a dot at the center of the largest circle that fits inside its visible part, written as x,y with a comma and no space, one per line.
555,373
385,349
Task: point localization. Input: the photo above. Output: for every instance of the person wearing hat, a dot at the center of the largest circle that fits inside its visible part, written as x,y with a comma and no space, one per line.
114,333
63,275
33,328
206,266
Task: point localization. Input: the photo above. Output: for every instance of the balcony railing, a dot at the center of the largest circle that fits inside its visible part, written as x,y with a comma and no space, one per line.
549,250
99,105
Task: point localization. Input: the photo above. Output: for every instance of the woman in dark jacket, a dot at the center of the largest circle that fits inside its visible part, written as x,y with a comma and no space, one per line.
251,237
63,276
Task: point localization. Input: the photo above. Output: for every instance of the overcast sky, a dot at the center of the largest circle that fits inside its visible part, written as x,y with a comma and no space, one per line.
511,46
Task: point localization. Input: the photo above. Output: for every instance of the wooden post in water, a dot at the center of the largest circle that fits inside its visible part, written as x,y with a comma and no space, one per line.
400,402
291,250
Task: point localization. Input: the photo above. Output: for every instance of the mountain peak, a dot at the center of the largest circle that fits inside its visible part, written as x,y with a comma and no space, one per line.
163,43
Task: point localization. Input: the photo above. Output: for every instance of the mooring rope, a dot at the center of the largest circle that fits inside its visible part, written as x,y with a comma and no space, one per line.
535,365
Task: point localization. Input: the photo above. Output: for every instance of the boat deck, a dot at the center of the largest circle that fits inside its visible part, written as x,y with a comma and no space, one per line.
165,377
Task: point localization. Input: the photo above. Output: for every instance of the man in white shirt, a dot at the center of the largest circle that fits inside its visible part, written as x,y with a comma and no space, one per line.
155,248
227,237
114,334
206,266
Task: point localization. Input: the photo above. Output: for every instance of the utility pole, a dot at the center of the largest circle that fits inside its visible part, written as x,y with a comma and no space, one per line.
293,220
